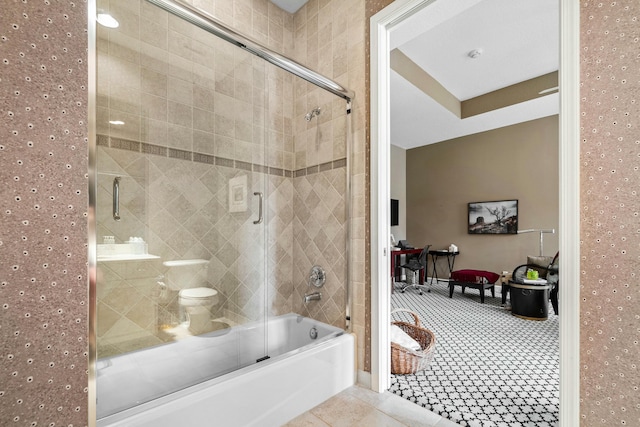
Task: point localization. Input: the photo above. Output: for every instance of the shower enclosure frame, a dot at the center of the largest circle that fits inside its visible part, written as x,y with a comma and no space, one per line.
212,25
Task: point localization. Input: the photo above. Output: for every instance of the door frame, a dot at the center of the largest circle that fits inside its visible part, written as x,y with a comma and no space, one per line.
569,193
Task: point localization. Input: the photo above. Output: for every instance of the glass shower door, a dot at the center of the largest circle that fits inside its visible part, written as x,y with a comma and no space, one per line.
180,207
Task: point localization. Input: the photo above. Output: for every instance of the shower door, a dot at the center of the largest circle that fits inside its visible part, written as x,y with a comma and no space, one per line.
215,171
182,174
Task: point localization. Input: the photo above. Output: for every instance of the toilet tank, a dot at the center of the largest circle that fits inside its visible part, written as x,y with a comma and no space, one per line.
186,273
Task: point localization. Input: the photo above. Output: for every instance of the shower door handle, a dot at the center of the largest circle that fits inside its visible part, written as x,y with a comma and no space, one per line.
259,220
116,198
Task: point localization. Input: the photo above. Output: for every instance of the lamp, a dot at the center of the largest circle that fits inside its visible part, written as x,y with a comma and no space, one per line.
531,230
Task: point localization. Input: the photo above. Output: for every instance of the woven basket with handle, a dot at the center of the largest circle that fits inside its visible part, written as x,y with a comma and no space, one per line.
406,361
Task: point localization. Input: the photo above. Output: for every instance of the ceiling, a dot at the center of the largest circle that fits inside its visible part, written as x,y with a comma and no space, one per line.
518,40
290,6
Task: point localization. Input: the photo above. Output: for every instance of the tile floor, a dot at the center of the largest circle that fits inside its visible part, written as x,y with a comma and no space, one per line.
357,406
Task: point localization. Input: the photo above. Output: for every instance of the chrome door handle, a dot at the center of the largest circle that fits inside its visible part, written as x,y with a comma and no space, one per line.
116,198
259,220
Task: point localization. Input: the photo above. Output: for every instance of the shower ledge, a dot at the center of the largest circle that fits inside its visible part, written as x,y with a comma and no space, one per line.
126,257
124,252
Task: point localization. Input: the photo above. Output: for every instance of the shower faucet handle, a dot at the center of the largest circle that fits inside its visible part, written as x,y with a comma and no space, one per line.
317,276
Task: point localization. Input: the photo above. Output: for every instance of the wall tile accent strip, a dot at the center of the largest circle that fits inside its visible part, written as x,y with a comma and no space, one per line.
43,221
610,234
142,147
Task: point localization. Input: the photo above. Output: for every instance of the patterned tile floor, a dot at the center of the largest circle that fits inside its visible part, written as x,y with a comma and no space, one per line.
358,406
490,369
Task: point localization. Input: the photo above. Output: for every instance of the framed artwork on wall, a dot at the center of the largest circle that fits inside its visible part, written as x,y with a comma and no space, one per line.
497,217
238,194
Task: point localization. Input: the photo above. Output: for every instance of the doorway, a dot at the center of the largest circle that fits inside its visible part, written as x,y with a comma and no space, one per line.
382,24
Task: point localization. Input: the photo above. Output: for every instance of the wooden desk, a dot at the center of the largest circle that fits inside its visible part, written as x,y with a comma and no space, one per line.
396,253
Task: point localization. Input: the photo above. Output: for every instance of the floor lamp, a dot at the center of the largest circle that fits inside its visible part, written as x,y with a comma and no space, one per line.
532,230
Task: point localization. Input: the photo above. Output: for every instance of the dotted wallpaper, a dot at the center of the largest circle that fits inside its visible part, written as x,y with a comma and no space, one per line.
43,159
43,233
610,222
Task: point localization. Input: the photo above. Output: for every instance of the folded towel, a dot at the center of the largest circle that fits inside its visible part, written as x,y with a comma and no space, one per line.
400,337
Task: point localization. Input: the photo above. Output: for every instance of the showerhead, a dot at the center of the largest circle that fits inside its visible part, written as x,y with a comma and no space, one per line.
314,113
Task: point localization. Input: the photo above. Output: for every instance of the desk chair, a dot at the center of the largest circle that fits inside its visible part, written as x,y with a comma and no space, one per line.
415,265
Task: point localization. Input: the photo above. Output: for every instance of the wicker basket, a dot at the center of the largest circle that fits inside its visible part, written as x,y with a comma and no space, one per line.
406,361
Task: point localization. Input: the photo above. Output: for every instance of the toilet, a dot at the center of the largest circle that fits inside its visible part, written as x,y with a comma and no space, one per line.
197,304
195,301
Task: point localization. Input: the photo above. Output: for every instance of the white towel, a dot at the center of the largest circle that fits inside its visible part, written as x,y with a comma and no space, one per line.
400,337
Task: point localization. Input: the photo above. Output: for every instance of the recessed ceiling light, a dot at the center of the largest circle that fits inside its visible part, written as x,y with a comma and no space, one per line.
475,53
107,20
116,122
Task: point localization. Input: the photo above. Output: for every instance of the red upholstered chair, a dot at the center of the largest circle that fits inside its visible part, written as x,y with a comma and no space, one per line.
477,279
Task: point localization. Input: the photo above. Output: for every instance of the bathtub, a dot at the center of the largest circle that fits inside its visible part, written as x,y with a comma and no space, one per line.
169,385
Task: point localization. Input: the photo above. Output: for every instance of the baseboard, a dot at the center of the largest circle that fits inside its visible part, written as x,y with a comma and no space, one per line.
363,379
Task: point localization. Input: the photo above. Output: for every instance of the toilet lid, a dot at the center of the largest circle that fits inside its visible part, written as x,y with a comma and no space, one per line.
198,293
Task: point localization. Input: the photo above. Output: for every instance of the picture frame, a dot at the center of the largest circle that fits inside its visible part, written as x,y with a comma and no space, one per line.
238,194
493,217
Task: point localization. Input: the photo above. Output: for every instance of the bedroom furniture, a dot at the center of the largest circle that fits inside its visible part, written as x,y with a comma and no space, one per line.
396,260
419,267
442,253
476,279
529,298
547,268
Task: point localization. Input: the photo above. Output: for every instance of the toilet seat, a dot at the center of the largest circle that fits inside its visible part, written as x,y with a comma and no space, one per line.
198,293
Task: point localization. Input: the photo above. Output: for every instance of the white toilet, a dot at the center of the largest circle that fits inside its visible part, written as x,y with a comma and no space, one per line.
197,304
195,301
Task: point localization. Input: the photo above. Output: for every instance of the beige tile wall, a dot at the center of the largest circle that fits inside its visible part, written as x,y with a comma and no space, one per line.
204,115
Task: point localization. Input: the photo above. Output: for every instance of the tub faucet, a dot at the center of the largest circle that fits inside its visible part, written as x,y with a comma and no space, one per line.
315,296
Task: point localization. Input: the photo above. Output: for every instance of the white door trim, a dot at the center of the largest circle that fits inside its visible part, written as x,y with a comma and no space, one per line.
569,226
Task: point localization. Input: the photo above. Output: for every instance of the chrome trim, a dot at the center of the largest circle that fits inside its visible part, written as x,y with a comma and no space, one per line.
260,202
92,86
210,24
349,203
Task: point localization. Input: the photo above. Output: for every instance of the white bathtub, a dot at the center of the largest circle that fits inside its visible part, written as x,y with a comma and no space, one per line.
300,374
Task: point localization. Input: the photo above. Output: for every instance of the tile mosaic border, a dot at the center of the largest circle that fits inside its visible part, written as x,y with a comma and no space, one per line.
159,150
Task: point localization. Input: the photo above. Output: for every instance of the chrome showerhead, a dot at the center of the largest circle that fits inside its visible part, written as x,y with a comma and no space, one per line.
314,113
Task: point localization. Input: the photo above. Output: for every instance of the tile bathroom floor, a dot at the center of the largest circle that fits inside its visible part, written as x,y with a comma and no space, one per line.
357,406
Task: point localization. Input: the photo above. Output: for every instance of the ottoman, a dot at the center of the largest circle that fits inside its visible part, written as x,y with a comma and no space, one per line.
477,279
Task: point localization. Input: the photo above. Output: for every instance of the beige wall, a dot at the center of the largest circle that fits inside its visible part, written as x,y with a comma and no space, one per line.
515,162
398,189
50,361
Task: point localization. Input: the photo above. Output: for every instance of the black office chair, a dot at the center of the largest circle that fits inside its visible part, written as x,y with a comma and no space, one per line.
415,265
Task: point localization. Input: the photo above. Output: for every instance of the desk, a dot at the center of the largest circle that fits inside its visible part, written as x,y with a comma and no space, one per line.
396,253
444,253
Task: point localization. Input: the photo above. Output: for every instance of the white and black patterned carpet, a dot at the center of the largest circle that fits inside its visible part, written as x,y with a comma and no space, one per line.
490,369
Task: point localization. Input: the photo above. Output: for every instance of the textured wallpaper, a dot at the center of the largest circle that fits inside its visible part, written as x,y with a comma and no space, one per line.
610,223
43,292
43,233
